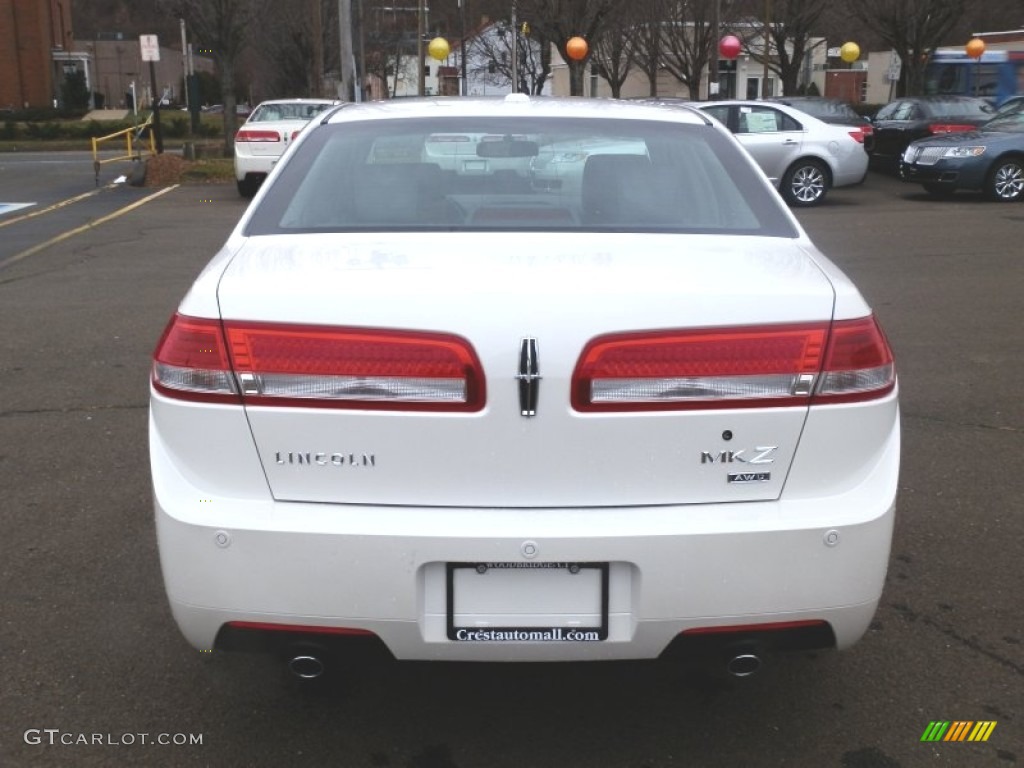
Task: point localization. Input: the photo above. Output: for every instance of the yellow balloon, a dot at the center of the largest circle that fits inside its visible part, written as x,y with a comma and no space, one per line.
438,48
849,53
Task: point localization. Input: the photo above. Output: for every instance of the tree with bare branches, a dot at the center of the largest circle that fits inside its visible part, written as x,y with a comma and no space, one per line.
647,42
222,27
688,40
912,28
612,52
560,20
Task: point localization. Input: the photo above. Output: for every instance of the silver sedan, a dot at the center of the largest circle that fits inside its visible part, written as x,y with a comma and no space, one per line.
803,156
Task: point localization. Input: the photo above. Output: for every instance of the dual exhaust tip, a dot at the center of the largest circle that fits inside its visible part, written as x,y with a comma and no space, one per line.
743,664
308,667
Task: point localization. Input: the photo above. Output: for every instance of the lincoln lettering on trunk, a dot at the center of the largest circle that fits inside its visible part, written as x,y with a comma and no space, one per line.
327,459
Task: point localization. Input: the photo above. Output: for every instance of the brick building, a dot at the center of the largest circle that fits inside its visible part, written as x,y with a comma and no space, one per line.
35,44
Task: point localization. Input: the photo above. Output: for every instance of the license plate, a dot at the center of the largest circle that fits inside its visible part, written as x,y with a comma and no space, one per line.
527,602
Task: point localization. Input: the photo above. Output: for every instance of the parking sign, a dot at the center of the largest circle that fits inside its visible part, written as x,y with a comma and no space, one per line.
150,47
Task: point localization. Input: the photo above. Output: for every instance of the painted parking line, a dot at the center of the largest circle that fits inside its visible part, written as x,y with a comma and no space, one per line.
6,208
84,228
49,208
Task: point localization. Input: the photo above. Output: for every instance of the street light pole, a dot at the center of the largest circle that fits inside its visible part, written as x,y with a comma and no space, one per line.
515,48
716,33
462,49
767,47
421,89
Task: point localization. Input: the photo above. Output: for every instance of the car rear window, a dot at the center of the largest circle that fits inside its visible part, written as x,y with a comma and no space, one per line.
487,173
961,107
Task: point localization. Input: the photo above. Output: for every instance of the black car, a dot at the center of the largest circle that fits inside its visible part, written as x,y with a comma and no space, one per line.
990,159
908,119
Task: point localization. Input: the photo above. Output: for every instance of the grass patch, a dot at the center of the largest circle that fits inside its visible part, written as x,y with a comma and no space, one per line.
214,170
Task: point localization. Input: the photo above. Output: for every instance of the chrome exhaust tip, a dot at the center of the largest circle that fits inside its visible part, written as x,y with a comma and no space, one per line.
743,665
306,667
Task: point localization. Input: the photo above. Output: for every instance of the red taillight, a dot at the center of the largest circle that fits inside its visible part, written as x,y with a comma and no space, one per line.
787,365
256,135
191,362
951,128
328,367
862,133
778,626
858,363
261,626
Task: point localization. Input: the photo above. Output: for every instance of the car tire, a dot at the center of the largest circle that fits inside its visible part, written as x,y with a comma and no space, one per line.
805,183
1005,182
939,190
248,186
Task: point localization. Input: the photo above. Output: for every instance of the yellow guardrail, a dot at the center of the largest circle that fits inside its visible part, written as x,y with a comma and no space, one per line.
133,149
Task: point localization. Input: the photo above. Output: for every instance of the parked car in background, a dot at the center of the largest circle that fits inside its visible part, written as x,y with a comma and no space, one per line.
633,415
1010,105
242,110
908,119
990,159
803,156
264,137
831,111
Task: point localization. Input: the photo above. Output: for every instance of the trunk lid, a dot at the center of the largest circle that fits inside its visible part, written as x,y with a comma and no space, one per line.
561,290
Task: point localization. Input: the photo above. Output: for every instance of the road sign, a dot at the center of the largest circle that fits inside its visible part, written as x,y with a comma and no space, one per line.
895,65
150,47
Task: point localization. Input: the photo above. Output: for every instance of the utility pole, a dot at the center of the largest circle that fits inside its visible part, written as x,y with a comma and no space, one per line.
316,79
767,47
716,32
184,63
346,59
515,48
462,55
421,88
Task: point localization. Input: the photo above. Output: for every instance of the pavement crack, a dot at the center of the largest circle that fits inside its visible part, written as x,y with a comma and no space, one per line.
967,424
79,409
911,616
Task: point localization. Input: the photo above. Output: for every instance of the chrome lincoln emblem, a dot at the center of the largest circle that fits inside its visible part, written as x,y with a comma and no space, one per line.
529,377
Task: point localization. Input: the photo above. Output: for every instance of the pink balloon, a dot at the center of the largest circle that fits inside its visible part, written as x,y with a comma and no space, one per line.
730,47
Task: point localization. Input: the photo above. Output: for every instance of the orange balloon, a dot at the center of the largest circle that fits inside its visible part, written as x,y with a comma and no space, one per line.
975,47
577,48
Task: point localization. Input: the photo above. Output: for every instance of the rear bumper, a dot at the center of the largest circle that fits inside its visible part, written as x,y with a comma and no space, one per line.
383,570
247,164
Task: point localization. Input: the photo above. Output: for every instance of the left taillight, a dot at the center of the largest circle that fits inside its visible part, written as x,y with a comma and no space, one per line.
257,135
745,367
191,362
317,366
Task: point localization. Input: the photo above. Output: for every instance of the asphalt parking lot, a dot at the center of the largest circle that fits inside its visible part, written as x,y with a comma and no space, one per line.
89,649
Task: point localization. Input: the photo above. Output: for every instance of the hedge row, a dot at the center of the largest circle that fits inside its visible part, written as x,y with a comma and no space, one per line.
173,128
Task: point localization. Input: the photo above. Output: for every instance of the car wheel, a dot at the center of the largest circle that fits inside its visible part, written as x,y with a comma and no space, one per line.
805,183
939,190
247,187
1005,182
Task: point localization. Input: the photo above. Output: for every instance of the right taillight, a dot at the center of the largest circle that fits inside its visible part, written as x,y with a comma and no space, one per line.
745,367
858,363
317,366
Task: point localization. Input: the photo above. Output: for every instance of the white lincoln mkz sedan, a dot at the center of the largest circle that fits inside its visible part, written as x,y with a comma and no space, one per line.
481,411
